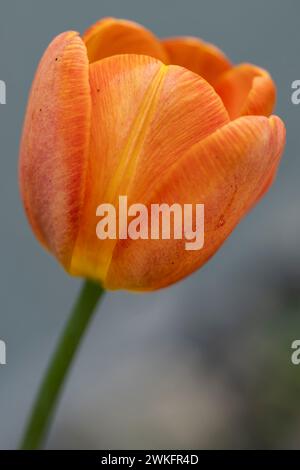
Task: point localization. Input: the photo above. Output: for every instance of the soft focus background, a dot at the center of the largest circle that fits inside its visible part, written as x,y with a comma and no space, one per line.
205,363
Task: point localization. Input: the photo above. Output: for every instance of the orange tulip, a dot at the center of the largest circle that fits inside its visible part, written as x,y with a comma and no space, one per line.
118,112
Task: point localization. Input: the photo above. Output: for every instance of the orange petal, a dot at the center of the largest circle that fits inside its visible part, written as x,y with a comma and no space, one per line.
145,115
198,56
111,36
247,90
226,172
55,143
271,174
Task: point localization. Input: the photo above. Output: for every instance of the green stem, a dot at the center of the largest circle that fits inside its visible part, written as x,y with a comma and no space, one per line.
56,373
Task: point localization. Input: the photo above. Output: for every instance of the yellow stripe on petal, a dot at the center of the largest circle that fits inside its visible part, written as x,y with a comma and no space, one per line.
198,56
226,172
247,90
111,36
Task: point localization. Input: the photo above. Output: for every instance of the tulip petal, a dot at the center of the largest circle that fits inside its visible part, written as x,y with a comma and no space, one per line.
145,115
198,56
272,172
247,90
226,172
111,36
55,143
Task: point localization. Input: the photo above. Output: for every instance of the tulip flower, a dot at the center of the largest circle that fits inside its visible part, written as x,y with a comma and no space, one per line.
118,112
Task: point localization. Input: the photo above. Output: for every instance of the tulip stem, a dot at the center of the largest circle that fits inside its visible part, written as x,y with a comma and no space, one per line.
47,397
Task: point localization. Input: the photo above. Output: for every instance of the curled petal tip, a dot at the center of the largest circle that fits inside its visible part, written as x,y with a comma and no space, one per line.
247,90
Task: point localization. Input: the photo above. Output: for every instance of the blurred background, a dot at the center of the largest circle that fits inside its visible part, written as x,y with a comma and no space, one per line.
203,364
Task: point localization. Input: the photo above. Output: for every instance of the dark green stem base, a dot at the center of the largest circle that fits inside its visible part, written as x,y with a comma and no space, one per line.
59,366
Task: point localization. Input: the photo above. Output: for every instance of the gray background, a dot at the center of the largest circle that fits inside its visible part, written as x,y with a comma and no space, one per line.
205,363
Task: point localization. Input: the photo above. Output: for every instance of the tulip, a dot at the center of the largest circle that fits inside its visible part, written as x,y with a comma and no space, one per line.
119,112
